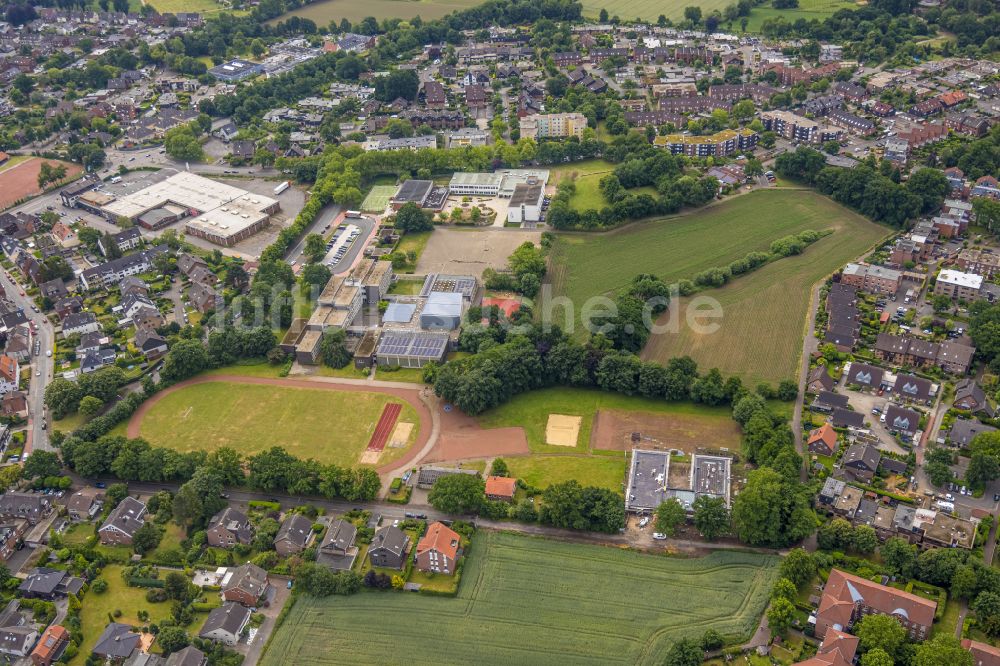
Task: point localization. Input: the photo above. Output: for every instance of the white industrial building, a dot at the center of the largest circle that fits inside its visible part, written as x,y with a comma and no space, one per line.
526,203
219,213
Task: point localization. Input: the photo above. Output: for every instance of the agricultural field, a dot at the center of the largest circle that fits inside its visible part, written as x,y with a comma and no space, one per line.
200,6
331,426
760,333
597,606
650,10
583,266
324,11
378,198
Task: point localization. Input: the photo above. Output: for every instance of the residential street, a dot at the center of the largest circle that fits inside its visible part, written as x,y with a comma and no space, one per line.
45,334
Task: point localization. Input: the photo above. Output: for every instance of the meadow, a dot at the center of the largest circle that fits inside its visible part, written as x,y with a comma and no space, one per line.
324,11
650,10
760,309
330,426
527,600
587,176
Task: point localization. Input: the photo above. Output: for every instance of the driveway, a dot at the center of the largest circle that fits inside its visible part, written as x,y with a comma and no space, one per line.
281,593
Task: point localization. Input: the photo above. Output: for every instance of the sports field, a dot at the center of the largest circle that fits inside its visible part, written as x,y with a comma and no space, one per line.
525,600
587,265
324,11
331,426
378,198
21,179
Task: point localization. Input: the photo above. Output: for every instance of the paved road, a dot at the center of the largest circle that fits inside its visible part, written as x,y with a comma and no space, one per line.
325,217
45,334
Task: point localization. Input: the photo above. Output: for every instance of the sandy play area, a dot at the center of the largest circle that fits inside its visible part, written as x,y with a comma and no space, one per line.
562,430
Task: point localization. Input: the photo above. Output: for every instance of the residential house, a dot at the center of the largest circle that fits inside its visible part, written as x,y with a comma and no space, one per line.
203,299
500,488
50,646
124,240
95,360
150,343
437,550
116,643
837,649
865,376
17,634
123,522
33,507
10,374
847,598
247,584
49,584
983,654
228,528
971,397
189,656
846,418
388,548
823,440
964,430
79,323
901,420
225,624
913,388
338,550
294,535
19,343
54,290
85,504
826,402
819,379
861,461
14,405
873,279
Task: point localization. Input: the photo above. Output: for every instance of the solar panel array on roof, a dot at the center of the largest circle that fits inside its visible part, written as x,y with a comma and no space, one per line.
412,344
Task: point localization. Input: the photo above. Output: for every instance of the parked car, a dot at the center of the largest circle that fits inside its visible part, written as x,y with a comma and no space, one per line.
659,536
643,522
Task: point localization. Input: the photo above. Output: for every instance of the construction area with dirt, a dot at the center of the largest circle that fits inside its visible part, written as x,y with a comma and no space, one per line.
470,251
622,431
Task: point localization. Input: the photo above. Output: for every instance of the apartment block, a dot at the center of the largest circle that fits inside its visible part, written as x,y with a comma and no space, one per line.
553,125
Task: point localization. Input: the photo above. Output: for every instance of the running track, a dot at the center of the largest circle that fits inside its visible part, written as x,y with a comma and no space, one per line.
411,396
384,428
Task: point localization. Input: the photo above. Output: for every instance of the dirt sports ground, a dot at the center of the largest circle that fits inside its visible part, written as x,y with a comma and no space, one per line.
462,438
479,249
21,180
612,430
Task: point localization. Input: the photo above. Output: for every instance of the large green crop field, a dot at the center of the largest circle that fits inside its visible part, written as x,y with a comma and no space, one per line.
328,425
588,265
650,10
526,600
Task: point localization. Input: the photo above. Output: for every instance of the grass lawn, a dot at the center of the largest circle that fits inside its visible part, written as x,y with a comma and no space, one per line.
949,620
413,242
378,198
807,9
119,596
77,533
406,287
347,372
763,309
257,368
324,11
69,423
330,426
412,375
524,600
674,10
173,534
541,471
200,6
531,411
13,162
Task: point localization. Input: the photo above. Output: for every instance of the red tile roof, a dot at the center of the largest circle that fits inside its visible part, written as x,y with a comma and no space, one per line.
440,538
843,590
826,434
838,649
500,486
50,643
982,654
8,368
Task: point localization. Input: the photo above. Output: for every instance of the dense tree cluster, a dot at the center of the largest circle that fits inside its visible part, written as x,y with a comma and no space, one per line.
865,188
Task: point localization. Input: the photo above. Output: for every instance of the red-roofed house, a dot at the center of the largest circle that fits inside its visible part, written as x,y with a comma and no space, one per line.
847,598
437,551
982,653
953,98
837,649
500,488
823,440
9,374
50,646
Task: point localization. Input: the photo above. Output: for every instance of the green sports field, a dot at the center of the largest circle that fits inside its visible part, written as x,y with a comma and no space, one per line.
378,198
330,426
525,600
587,265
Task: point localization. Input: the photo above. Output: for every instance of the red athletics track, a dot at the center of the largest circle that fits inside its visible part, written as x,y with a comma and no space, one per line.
386,423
